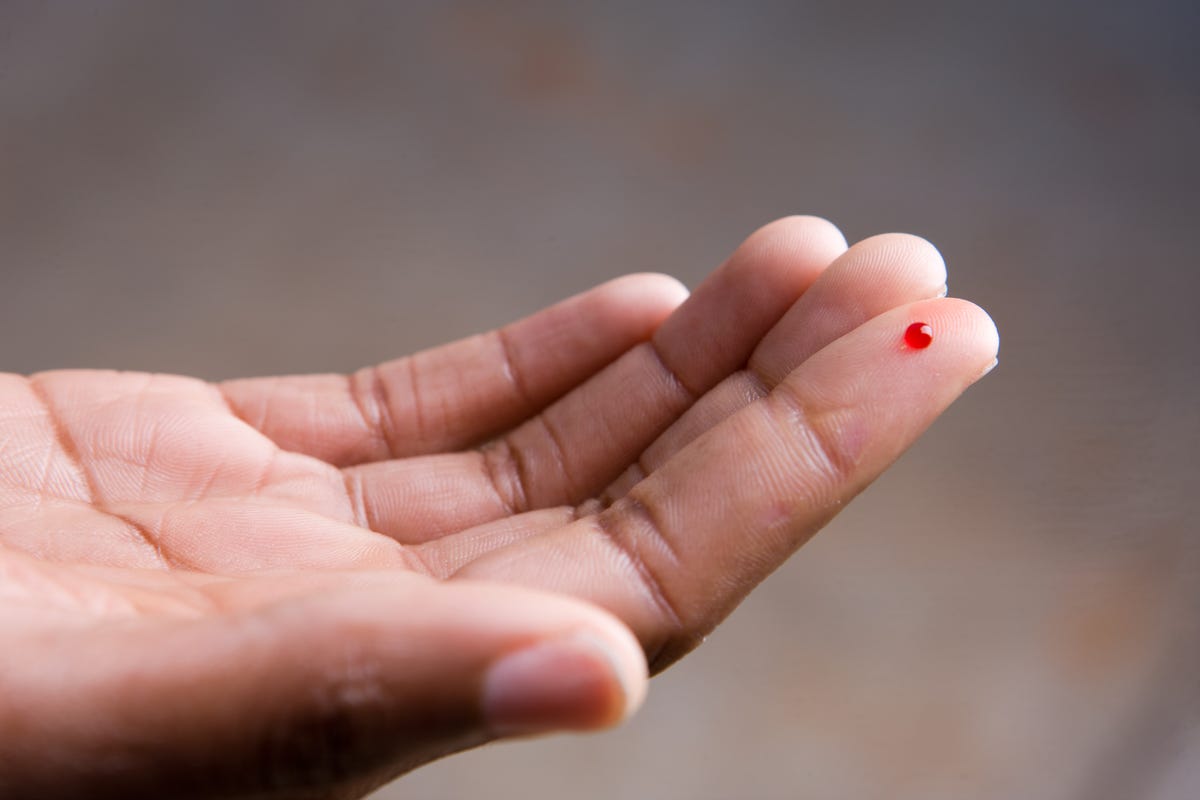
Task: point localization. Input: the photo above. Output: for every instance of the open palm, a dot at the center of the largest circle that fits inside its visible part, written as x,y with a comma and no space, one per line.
303,586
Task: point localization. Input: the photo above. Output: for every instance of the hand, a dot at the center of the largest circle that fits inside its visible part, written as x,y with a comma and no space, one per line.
304,586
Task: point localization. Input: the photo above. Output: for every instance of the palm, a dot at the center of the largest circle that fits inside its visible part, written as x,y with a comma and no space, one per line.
145,494
657,469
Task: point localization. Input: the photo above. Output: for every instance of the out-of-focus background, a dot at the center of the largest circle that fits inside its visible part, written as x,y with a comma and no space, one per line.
227,189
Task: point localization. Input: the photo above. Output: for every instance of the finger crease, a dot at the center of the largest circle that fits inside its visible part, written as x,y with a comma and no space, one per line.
369,401
354,495
559,454
797,416
505,470
628,545
418,407
693,394
511,371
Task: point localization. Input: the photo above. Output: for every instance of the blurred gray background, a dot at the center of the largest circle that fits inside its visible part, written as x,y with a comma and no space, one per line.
227,189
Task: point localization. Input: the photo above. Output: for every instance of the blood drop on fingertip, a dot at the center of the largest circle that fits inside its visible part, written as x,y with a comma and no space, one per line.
919,335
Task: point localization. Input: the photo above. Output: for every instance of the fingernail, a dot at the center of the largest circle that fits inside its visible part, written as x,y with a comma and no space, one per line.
989,367
571,683
945,290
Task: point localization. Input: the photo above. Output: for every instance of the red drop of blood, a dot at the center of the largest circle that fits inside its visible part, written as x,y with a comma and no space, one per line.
919,335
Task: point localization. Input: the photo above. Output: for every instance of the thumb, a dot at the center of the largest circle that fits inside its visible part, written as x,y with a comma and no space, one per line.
323,693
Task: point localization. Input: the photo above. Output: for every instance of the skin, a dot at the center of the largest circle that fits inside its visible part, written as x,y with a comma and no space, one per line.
305,586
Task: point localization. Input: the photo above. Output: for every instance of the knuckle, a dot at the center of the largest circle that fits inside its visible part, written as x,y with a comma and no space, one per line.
506,473
633,528
823,442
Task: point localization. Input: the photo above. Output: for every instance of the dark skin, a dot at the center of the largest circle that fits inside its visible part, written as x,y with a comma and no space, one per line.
303,587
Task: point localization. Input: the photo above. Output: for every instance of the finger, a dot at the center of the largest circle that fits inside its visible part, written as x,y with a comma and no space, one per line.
874,276
457,395
336,690
416,500
677,553
716,330
579,444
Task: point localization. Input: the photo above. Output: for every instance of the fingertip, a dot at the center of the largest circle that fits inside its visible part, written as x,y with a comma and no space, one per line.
558,663
816,237
972,329
580,681
629,666
658,286
645,297
808,224
986,332
918,255
623,655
